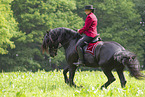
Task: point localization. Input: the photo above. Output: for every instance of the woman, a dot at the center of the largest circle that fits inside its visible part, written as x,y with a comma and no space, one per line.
90,31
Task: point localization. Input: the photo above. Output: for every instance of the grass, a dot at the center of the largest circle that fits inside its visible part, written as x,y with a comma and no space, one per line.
51,84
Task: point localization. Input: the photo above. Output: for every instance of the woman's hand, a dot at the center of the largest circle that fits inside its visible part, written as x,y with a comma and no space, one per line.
78,30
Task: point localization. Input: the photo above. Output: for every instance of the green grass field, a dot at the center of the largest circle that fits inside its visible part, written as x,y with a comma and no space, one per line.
51,84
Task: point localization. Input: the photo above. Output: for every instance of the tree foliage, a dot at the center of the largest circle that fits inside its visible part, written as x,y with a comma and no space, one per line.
24,23
121,23
8,27
34,17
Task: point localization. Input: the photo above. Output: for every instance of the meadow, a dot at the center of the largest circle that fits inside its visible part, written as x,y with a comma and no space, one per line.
51,84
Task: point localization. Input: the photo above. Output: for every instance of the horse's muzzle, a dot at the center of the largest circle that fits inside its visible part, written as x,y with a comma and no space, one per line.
53,54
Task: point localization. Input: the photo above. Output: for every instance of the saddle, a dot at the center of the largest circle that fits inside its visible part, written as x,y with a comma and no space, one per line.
92,45
96,39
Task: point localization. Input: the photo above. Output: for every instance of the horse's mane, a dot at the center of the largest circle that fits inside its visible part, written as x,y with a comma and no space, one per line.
60,33
64,30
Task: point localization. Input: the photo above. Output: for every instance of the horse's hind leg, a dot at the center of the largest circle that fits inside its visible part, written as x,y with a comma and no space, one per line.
66,69
121,77
110,77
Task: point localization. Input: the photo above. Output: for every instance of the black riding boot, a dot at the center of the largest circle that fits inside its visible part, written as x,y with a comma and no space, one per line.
81,57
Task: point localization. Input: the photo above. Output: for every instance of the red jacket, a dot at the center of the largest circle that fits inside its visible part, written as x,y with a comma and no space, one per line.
90,27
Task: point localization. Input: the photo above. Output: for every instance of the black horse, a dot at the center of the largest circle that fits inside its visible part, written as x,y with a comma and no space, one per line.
108,56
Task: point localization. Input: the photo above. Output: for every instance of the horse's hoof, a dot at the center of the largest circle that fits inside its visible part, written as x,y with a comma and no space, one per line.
67,82
102,87
72,85
79,86
75,86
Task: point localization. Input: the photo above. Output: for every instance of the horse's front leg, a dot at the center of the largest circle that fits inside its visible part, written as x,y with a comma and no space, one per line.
72,69
66,69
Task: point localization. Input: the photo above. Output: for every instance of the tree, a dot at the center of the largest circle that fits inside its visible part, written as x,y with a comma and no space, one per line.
140,6
122,24
34,17
118,21
8,27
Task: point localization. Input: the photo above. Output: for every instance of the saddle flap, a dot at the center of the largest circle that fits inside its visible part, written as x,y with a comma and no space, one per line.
91,47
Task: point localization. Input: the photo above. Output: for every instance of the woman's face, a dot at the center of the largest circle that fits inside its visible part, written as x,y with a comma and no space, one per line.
87,11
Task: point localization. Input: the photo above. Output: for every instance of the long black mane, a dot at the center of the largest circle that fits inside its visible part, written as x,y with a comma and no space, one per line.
59,35
62,34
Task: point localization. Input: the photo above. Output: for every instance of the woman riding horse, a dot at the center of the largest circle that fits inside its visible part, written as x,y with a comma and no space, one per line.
90,31
108,55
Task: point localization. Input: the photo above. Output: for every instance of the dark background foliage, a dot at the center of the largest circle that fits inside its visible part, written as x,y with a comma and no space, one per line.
24,23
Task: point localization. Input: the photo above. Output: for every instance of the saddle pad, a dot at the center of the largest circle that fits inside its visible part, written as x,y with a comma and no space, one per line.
91,47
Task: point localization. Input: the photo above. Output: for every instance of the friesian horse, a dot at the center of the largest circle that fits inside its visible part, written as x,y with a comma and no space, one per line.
108,56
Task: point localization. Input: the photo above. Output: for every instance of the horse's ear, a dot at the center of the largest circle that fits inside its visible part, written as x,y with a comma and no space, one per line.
133,57
48,31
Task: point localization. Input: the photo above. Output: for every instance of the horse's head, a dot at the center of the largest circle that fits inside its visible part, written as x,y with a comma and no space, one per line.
48,43
58,35
53,49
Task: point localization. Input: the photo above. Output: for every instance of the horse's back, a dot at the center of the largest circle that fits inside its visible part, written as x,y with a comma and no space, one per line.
107,51
103,53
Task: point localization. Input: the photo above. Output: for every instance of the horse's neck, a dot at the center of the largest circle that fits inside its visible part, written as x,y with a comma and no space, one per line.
70,48
68,40
70,44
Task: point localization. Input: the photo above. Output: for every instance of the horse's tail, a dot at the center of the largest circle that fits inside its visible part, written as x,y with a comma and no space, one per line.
130,60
